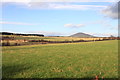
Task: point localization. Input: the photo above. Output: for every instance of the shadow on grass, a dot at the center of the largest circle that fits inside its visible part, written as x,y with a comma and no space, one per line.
9,71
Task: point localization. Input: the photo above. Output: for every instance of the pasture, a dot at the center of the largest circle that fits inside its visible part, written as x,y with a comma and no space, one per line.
65,60
13,40
65,38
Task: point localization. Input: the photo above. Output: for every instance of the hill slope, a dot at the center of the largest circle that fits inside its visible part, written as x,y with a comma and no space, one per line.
82,35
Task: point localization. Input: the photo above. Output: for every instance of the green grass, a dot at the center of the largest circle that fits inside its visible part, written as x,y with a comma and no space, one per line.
72,60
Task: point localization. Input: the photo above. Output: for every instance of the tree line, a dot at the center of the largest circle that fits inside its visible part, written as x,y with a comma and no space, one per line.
19,34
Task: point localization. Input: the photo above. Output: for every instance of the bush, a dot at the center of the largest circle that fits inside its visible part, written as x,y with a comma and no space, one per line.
6,43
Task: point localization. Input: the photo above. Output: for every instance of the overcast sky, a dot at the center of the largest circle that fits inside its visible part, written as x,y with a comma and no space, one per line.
60,18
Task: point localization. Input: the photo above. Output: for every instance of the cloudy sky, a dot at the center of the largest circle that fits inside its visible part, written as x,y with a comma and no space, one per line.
60,18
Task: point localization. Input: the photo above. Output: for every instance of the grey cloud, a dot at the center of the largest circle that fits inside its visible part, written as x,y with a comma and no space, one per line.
74,25
40,5
59,0
55,5
112,11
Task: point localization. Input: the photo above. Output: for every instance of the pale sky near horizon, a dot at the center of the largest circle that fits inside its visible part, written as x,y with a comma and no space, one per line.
60,18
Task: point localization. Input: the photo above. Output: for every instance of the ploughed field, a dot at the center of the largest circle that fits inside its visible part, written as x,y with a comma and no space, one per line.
65,60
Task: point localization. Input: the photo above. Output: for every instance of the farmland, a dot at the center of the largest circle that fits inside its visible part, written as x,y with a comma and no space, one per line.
49,38
13,40
65,60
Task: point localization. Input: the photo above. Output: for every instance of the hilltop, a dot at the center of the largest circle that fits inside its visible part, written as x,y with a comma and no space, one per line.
82,35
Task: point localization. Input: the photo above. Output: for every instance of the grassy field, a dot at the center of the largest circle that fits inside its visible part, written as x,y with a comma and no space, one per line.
72,60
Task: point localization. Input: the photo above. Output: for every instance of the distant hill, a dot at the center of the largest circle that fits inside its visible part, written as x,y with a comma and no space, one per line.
82,35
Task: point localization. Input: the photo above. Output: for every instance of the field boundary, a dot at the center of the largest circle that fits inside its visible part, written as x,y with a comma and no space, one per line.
34,42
